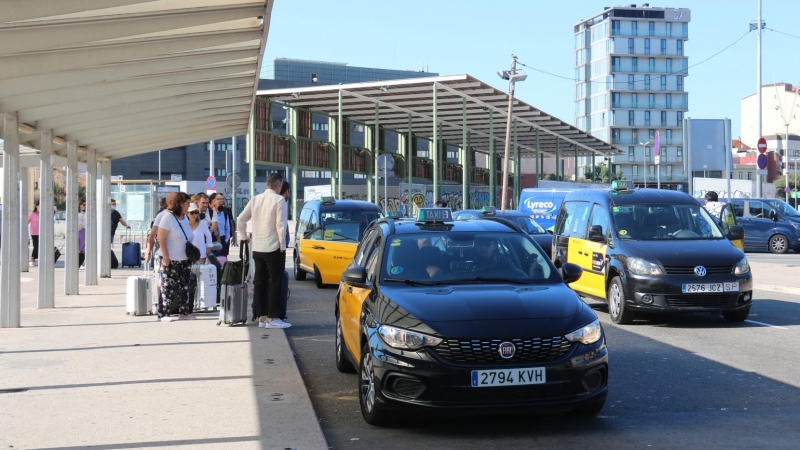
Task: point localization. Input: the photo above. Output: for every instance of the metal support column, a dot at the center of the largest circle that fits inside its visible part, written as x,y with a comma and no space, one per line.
71,253
593,168
490,165
9,269
409,159
434,147
294,130
464,156
538,160
103,183
250,150
90,271
376,153
340,147
575,147
331,160
515,199
235,187
24,235
45,289
368,164
558,160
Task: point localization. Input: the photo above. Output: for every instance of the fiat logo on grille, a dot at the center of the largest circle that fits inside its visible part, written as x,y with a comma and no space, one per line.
507,350
700,271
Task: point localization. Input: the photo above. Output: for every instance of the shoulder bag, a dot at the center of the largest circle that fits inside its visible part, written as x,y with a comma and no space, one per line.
192,252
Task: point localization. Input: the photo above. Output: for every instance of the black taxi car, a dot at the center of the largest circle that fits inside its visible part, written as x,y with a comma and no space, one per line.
651,250
444,315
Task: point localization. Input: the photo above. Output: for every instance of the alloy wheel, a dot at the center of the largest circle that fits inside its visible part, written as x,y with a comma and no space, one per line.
367,383
614,300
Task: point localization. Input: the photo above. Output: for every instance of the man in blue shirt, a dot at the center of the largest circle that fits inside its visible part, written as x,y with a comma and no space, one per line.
225,222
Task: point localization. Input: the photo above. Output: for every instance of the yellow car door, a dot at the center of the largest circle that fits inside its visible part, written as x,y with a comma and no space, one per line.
352,297
727,219
594,250
576,228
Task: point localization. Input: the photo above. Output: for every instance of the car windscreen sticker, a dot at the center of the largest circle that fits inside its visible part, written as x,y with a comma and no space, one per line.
395,243
623,232
396,270
329,234
615,209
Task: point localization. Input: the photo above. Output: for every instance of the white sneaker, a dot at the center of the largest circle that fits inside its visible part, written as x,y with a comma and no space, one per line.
262,324
32,264
277,323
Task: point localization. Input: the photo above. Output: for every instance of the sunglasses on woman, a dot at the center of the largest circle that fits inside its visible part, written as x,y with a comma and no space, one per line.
194,213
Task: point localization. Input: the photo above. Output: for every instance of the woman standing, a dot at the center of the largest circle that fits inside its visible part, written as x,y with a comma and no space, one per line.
202,235
33,221
81,231
175,271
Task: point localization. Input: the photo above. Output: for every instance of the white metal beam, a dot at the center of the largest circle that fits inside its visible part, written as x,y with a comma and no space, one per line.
9,269
12,12
133,137
71,253
178,140
46,283
90,270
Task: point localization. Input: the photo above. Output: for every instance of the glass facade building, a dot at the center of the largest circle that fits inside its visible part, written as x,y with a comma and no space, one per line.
298,70
630,69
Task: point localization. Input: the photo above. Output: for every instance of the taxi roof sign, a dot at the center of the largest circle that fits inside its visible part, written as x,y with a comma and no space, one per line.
488,210
394,214
431,215
622,185
327,200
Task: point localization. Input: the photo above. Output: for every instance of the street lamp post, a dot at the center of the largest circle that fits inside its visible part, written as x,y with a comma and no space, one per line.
512,78
644,160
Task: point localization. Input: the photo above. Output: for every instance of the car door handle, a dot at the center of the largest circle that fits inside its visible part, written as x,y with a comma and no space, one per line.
317,247
580,252
349,289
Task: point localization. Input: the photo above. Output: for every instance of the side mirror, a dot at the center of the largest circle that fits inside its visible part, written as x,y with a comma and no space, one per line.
571,272
773,215
736,233
596,234
549,230
355,276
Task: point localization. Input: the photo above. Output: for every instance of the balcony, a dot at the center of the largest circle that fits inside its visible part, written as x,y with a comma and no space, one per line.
644,68
630,141
662,105
639,86
646,33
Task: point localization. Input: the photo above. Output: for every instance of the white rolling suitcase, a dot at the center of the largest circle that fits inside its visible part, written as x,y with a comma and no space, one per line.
138,295
205,294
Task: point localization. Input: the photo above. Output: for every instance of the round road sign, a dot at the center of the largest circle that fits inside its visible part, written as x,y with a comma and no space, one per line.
786,189
762,161
762,146
211,182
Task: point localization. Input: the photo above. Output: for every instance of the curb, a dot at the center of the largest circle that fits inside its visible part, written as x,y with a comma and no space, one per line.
775,288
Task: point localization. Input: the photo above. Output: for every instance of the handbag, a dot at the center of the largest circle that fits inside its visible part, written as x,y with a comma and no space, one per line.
192,252
233,272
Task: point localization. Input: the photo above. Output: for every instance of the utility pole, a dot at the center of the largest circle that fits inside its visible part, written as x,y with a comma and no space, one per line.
511,81
759,178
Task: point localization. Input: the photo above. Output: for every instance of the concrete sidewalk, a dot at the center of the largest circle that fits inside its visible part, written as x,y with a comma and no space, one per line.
776,276
85,374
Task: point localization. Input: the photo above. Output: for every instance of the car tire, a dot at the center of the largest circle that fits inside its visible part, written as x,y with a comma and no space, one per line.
778,244
617,308
367,391
342,363
740,315
590,409
318,278
299,274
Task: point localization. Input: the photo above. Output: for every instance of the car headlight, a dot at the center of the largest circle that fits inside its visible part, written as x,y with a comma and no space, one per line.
641,266
405,339
588,335
741,267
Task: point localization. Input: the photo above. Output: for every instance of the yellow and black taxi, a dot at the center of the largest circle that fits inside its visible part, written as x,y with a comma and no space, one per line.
651,250
441,315
327,235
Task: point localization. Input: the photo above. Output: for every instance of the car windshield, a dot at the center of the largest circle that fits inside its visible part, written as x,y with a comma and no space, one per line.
465,257
528,225
664,222
785,208
345,226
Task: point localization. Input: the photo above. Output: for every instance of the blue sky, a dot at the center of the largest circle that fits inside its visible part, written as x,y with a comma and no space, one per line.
478,38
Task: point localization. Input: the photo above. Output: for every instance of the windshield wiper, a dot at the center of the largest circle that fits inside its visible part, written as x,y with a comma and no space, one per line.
491,279
412,282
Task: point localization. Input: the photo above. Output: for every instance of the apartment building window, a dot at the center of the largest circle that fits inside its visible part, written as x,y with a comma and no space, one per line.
635,64
635,100
663,154
647,153
614,27
630,118
635,134
647,46
669,65
647,117
635,171
685,33
219,147
318,126
669,29
615,135
651,135
647,82
669,172
663,82
669,101
651,171
651,100
630,81
634,28
217,172
679,154
630,45
651,26
679,82
651,65
740,175
663,118
615,103
679,122
615,66
663,46
685,104
631,153
669,137
749,175
731,175
679,47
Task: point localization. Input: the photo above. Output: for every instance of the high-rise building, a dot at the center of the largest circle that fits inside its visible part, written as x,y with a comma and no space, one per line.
630,71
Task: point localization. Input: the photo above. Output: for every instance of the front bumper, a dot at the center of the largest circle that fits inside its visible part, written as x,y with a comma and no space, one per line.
423,380
664,293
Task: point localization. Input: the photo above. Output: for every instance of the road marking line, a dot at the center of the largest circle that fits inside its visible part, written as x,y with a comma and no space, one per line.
766,324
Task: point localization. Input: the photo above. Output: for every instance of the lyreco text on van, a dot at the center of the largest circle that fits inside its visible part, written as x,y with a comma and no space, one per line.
543,204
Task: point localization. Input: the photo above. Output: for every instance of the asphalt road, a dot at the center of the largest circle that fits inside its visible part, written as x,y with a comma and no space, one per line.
686,381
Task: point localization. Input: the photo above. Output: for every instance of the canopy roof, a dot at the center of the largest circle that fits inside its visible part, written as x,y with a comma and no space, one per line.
397,100
125,77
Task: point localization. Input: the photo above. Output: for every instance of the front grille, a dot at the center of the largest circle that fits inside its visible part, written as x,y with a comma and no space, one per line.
689,270
486,351
505,394
702,300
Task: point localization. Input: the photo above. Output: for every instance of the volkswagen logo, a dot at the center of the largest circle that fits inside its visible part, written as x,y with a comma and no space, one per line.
507,350
700,271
